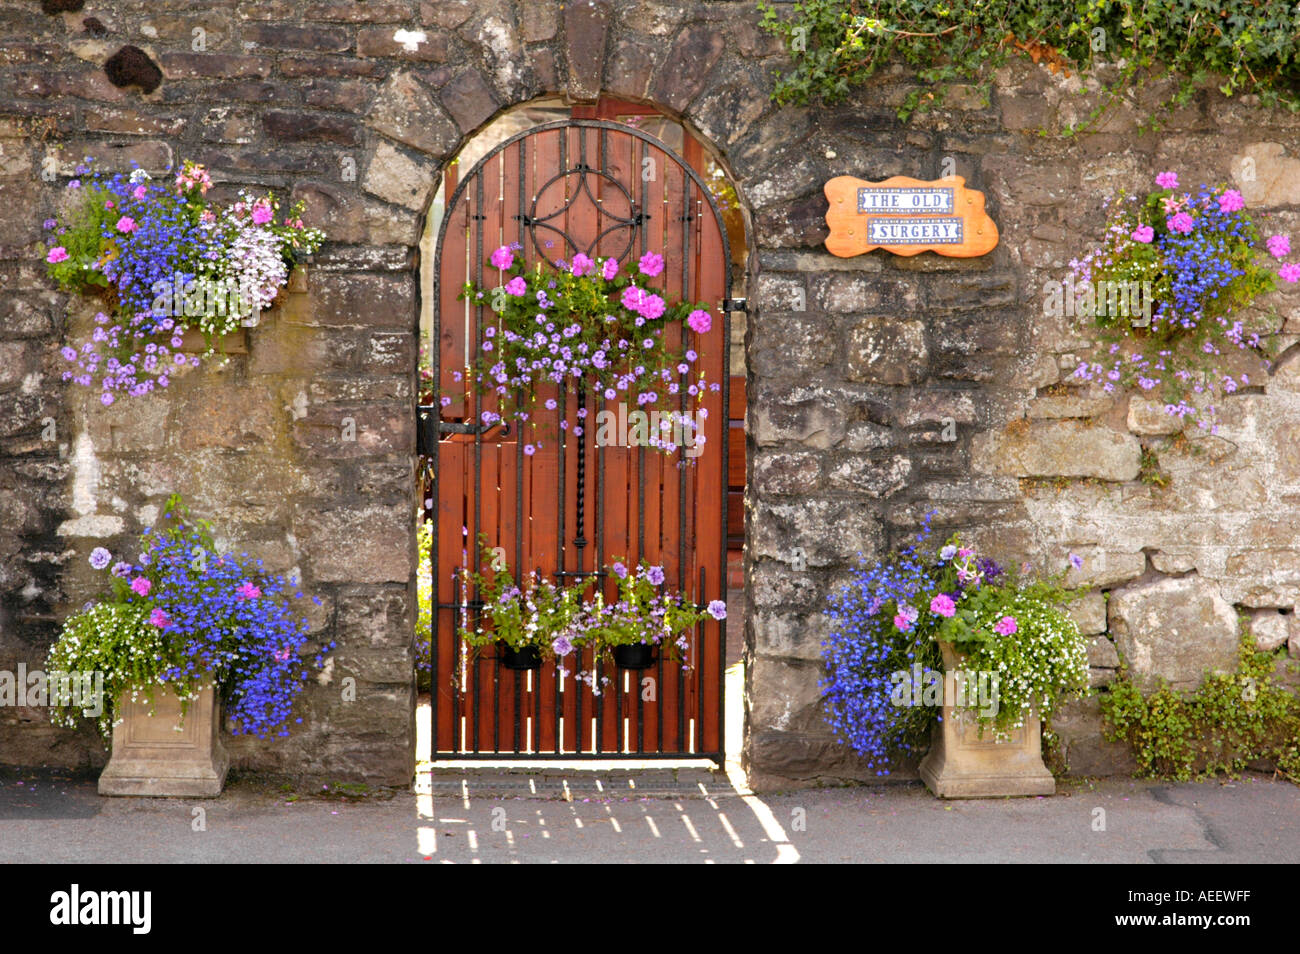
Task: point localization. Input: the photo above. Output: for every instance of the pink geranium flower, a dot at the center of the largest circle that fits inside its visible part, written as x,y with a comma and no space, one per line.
141,586
699,321
1180,222
247,591
582,265
1006,626
1231,201
57,254
1289,272
651,264
516,285
943,605
1143,234
125,224
262,212
609,269
159,618
1279,246
503,258
1167,180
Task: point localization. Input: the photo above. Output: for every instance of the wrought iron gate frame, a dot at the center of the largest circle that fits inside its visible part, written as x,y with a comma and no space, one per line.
431,427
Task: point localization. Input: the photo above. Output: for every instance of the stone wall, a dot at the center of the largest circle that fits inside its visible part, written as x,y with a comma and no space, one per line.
880,387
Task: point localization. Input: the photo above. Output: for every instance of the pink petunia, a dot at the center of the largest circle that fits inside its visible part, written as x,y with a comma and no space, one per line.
1167,180
1231,201
125,224
1180,222
699,321
503,257
1143,234
57,254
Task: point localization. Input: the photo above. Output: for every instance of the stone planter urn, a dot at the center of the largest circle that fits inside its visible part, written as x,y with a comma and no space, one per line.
164,754
961,764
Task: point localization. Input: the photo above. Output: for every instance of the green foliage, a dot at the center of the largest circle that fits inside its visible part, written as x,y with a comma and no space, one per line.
424,604
113,639
837,44
1149,471
558,620
1233,719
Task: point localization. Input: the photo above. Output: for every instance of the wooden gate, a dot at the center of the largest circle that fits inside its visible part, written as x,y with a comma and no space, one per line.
571,508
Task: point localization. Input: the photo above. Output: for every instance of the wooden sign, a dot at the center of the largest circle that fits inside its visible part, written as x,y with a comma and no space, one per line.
907,216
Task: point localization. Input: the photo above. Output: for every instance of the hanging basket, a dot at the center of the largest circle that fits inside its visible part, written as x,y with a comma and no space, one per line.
530,657
634,656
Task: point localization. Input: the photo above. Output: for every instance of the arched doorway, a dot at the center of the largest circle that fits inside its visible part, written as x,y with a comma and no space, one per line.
564,507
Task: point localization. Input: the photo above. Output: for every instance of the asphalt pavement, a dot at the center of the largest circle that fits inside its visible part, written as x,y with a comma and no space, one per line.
688,816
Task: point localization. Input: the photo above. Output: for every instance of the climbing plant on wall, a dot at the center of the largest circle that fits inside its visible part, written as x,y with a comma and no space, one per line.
1250,47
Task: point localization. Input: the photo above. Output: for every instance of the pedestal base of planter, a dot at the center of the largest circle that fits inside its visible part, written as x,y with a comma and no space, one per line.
150,757
960,764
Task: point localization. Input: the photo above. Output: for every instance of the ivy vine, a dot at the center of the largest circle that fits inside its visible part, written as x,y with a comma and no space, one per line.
1251,46
1232,720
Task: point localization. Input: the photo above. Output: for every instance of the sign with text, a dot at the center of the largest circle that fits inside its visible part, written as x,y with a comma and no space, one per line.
907,216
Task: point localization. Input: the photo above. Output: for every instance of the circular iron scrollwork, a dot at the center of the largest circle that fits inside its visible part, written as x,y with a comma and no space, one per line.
579,192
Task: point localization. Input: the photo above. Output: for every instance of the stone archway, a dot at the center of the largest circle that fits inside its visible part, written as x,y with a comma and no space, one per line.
418,128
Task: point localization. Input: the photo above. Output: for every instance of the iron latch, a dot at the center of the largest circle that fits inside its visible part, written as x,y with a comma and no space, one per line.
736,304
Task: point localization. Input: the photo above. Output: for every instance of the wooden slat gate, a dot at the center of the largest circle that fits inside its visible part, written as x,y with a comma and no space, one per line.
572,508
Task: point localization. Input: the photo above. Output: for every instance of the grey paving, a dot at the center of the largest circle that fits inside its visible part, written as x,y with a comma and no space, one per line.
690,816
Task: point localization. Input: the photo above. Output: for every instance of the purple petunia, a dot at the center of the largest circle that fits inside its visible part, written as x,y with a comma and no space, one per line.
100,558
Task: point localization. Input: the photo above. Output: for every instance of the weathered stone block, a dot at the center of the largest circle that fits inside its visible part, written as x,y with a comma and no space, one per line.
367,544
398,178
586,24
1173,629
469,99
1148,418
873,478
1089,614
1270,629
1058,449
787,473
885,351
1266,176
1078,725
407,112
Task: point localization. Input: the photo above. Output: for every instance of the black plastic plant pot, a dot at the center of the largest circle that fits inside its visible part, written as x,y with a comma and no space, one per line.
634,656
530,657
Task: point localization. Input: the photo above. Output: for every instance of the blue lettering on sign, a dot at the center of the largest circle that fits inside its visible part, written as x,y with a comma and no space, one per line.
914,231
904,200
